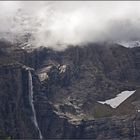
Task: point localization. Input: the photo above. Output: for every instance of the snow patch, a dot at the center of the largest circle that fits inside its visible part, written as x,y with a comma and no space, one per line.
62,68
115,102
43,76
43,73
131,44
27,68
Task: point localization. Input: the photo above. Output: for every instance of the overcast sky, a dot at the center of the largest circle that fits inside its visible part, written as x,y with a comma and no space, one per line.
70,22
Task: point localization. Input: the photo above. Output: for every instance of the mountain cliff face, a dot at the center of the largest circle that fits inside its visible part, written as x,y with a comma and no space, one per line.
15,110
66,87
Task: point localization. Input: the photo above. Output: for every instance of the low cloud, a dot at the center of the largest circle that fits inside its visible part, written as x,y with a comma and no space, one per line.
56,24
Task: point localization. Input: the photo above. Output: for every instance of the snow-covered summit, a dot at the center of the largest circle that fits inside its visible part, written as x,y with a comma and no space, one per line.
131,44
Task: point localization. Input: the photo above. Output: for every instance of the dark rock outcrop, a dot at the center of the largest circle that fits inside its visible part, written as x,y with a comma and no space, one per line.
67,86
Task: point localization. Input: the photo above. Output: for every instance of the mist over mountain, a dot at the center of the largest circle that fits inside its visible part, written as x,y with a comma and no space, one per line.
56,24
70,70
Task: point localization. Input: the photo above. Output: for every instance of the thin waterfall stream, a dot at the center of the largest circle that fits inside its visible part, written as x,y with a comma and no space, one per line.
134,129
32,104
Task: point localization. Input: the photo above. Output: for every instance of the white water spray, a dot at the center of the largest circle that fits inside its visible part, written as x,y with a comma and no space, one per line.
32,104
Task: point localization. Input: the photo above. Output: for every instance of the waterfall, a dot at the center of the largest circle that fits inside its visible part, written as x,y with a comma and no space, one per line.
134,129
32,104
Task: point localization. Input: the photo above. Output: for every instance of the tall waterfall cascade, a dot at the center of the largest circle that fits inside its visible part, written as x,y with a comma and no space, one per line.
34,119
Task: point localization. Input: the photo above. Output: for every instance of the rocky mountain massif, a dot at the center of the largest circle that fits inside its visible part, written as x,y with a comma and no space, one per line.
55,94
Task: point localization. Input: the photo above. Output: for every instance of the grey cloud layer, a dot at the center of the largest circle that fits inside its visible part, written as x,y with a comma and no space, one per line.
69,22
